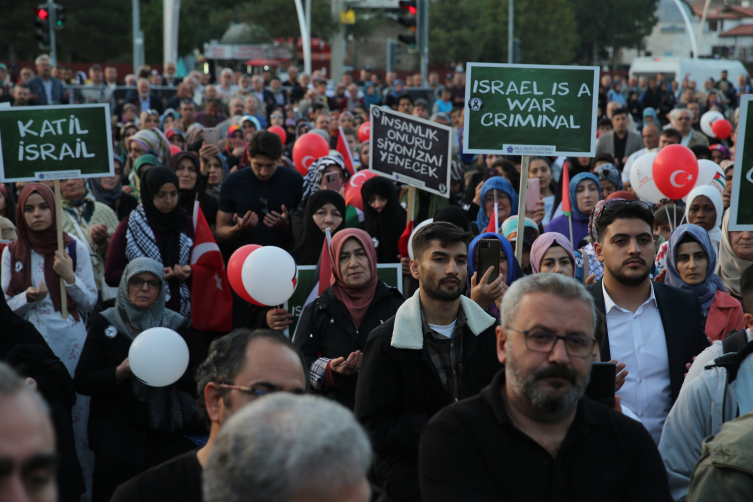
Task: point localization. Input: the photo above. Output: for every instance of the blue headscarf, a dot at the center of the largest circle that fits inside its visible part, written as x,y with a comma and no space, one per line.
650,112
168,112
371,99
711,283
577,214
514,271
499,183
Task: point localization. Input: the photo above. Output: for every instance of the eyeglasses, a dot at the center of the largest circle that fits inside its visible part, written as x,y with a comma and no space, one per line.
255,391
614,205
138,282
543,341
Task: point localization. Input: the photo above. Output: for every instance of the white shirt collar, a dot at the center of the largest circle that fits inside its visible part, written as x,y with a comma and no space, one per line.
609,303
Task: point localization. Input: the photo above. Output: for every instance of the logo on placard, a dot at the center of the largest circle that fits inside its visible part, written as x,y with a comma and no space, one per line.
375,241
111,332
475,104
442,188
376,112
19,266
41,176
510,149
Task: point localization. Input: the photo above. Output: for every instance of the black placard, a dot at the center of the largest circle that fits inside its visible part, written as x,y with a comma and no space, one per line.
411,150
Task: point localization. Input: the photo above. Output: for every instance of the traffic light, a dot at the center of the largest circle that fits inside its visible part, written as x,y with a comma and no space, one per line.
43,26
410,22
59,17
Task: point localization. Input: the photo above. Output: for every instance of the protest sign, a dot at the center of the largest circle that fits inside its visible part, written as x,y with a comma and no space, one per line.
411,150
390,273
741,203
55,142
531,109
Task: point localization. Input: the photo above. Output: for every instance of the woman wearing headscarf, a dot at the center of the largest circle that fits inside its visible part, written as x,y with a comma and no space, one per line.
719,153
194,137
575,166
650,117
690,265
552,253
314,181
150,141
215,169
398,89
93,224
483,204
167,119
371,95
109,191
132,426
585,192
235,146
384,219
509,230
610,179
140,166
127,130
324,209
457,184
192,185
489,295
332,330
32,269
158,229
735,255
150,119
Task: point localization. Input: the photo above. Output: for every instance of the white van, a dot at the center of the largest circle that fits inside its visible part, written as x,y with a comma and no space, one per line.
697,70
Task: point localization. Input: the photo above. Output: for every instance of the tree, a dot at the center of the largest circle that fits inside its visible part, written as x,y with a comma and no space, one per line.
457,31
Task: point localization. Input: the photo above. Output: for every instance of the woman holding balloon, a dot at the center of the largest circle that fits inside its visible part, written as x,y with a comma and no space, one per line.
332,330
134,426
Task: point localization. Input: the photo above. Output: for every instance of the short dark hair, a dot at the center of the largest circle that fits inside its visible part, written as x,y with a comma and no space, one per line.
275,78
746,289
349,131
227,356
214,101
511,174
603,157
265,143
661,218
446,233
404,96
672,133
605,122
619,111
423,103
623,212
317,107
188,101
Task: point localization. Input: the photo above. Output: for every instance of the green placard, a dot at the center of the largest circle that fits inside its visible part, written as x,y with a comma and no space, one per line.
390,273
741,203
531,109
55,142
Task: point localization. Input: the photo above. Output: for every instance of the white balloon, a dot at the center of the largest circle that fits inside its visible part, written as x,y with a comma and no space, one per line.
709,173
707,119
270,275
158,357
642,179
410,242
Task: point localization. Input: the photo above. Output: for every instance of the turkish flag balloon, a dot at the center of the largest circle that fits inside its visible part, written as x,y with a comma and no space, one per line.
353,188
307,150
722,128
675,171
364,132
235,268
280,132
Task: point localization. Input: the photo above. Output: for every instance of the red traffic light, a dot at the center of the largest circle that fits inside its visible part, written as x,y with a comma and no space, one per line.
409,6
42,13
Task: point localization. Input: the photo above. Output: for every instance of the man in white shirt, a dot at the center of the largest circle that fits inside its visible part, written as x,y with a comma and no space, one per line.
653,328
682,120
650,135
226,88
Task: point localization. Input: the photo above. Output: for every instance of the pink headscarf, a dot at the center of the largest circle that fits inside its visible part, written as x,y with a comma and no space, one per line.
542,244
356,300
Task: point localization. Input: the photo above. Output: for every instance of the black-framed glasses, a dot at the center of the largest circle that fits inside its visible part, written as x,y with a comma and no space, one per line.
614,205
138,282
543,341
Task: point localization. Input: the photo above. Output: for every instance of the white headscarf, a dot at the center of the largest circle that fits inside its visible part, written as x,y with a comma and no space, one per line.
715,234
730,267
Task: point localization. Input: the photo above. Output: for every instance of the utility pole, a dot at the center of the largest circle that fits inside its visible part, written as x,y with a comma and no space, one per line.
337,43
52,16
510,33
170,23
138,38
423,40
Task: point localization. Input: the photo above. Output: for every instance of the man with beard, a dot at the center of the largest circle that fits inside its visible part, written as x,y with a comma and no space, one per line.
653,328
437,349
531,434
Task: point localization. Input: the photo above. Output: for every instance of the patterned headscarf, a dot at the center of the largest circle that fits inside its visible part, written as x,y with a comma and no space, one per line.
706,291
313,179
609,172
577,179
154,142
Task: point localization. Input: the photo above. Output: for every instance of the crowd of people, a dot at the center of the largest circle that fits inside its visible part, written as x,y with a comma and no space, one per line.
456,388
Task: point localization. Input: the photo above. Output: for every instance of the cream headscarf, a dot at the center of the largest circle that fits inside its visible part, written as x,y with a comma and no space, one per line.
715,234
730,267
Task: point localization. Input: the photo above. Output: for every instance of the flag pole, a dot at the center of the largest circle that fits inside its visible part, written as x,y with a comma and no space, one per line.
522,208
570,222
496,212
61,247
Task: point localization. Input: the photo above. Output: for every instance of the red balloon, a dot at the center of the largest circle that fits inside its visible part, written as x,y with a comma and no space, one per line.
307,149
364,132
280,132
722,128
675,171
353,188
174,149
234,267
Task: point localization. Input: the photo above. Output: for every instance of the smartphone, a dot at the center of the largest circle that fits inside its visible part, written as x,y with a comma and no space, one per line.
332,181
490,172
533,192
601,384
488,256
211,135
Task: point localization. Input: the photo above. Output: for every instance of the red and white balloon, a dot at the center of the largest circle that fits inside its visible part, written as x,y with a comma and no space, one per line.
642,179
675,171
308,149
353,188
364,132
714,125
267,275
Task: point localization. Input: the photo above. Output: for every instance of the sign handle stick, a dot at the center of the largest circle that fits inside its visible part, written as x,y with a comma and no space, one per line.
570,222
59,224
496,212
411,203
522,208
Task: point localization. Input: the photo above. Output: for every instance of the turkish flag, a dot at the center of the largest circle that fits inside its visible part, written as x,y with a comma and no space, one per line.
344,149
404,241
212,302
353,188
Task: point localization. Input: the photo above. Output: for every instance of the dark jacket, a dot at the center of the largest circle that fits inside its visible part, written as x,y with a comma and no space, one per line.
325,329
36,86
269,101
399,388
682,320
155,103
